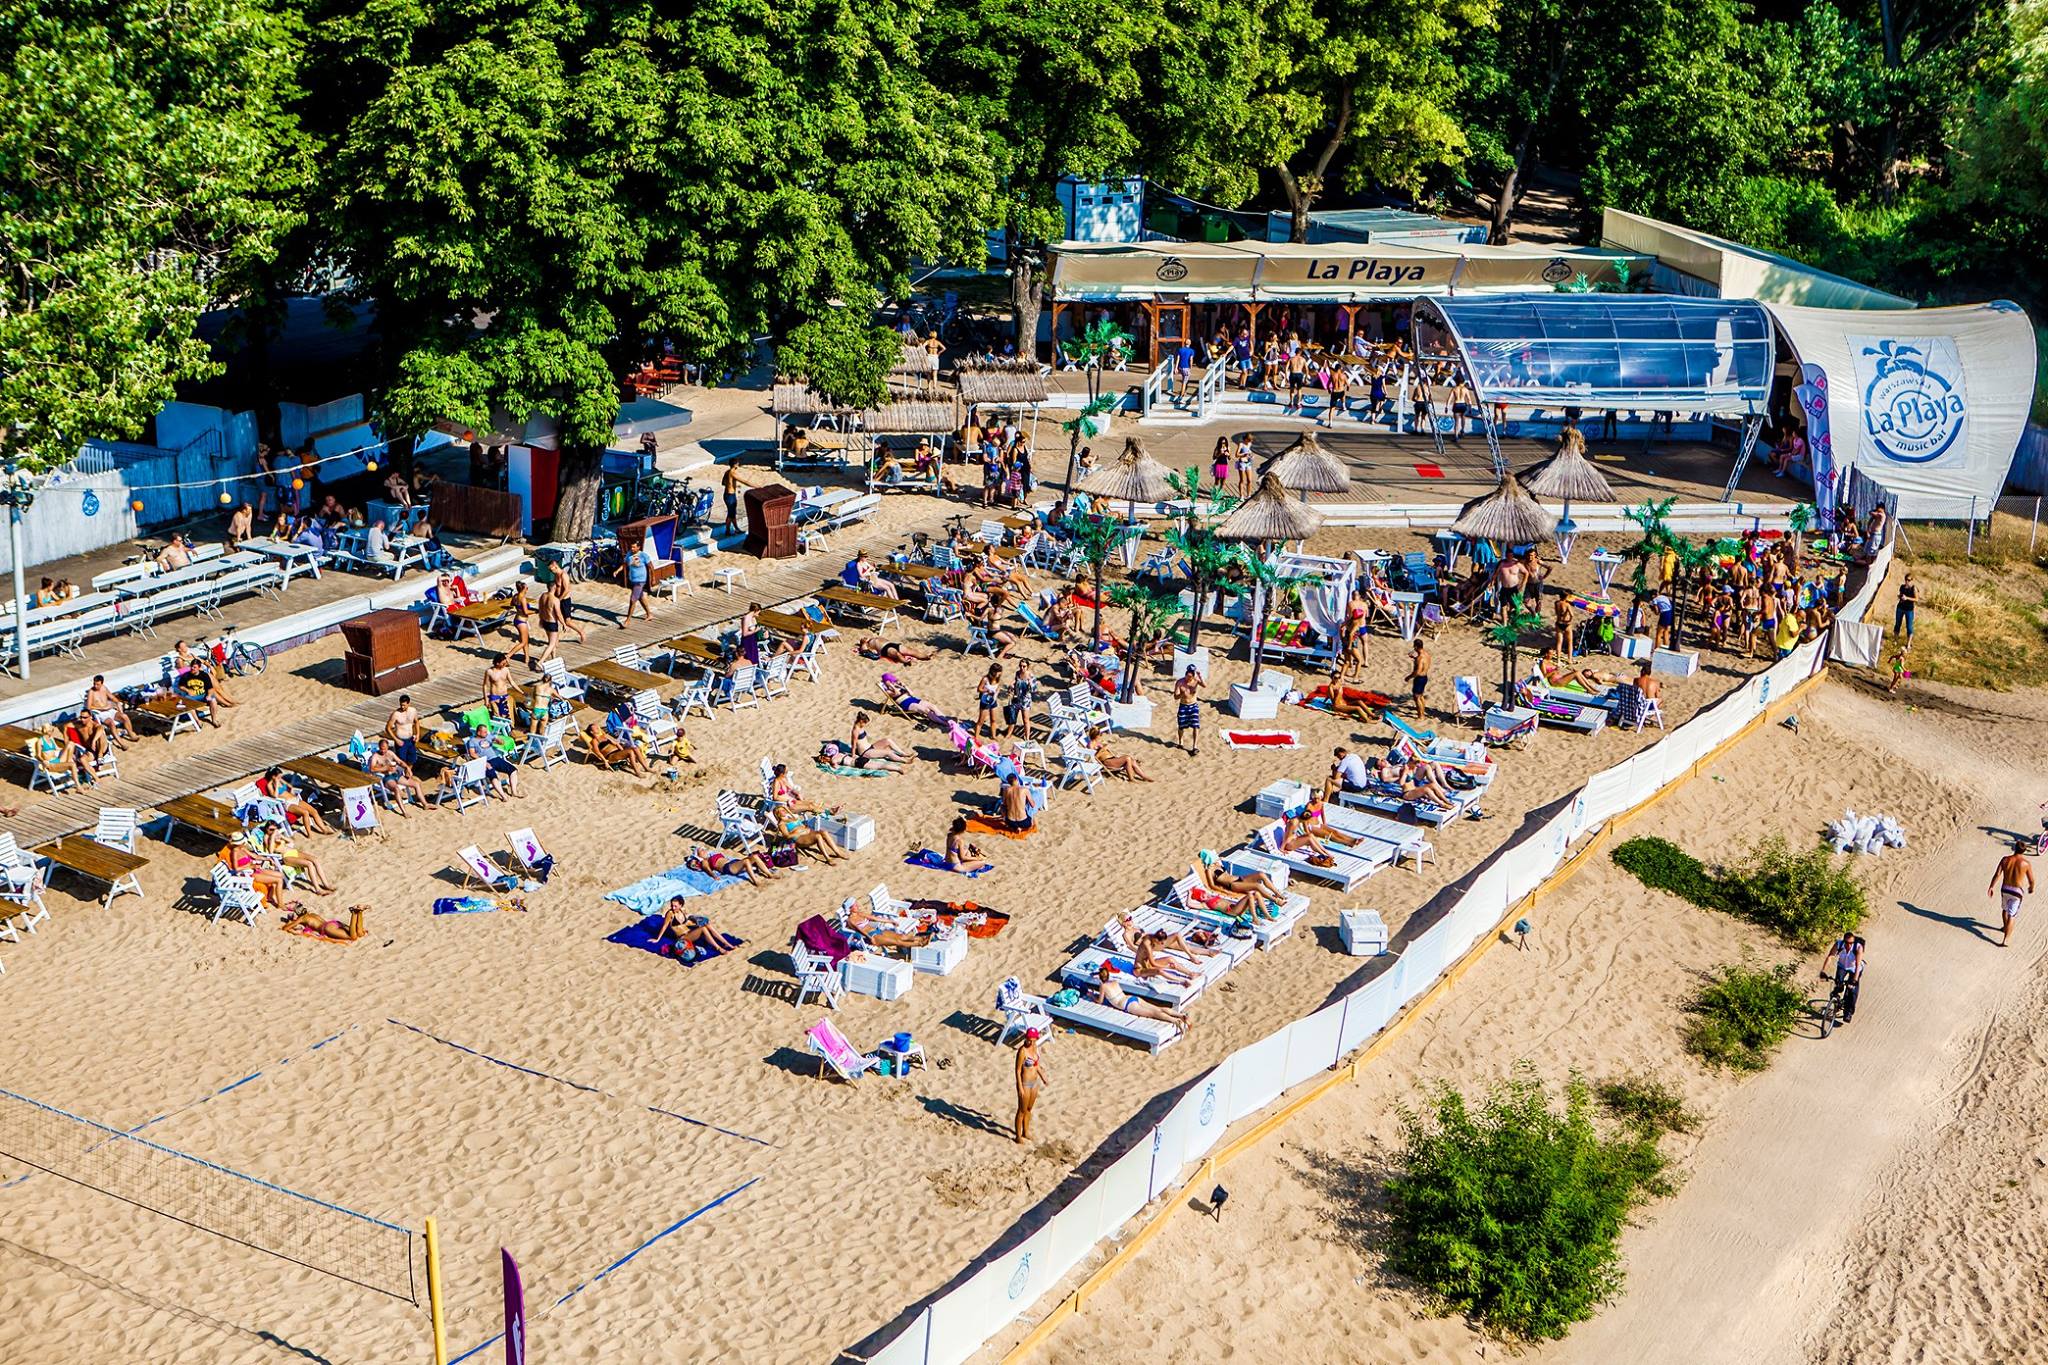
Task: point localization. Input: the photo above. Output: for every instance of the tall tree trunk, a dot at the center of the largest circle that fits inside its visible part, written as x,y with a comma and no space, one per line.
1305,189
576,508
1888,140
1510,196
1027,294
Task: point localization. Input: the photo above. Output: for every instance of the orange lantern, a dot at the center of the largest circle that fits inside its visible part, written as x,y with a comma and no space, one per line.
137,504
298,485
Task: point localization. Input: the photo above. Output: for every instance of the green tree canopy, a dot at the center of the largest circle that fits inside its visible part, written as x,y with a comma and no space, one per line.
147,172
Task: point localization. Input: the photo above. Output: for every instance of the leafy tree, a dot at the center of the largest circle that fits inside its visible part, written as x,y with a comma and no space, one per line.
1511,1208
2001,137
148,170
1150,614
1053,86
1297,88
528,192
1520,76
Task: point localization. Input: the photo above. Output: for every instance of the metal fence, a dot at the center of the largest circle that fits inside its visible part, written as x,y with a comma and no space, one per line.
203,1194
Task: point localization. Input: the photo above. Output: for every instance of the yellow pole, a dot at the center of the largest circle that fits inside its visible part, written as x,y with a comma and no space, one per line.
434,1294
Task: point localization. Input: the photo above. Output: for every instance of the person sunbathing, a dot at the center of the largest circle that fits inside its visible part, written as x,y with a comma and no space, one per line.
889,651
862,574
869,752
755,867
1117,765
277,842
1300,838
310,924
1003,640
238,859
1419,781
1165,942
55,754
691,935
1559,674
185,663
1112,994
857,920
1148,963
301,812
1256,887
808,838
107,709
1312,821
962,856
783,793
501,774
610,752
909,703
89,735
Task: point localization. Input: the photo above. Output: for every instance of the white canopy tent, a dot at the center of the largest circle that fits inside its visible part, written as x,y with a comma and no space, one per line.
1929,402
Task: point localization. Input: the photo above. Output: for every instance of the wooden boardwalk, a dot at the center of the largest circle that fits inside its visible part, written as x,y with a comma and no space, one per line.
241,757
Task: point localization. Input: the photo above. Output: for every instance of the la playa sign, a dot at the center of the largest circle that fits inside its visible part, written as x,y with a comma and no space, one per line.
1364,270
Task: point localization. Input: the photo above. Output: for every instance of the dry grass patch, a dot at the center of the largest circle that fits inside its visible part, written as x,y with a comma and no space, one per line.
1983,617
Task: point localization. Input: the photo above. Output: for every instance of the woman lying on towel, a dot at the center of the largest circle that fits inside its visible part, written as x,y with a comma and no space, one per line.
304,921
755,867
1148,962
889,651
1116,765
1112,994
1233,893
909,703
869,752
1558,673
686,936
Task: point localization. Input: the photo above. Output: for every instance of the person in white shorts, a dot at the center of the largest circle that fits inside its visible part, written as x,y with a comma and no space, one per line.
2010,885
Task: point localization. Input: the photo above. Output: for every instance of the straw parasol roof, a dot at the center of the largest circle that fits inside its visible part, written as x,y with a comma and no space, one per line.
1569,475
1270,514
1018,384
786,400
916,360
1306,467
1507,514
1133,477
911,418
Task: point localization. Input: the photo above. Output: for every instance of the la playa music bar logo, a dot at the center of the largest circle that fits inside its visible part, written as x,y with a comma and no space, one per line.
1913,404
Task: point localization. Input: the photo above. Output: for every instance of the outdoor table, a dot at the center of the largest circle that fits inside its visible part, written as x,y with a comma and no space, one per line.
698,650
1450,545
1605,562
883,609
784,623
177,713
100,862
202,815
614,676
325,772
915,573
473,616
293,555
1407,607
191,573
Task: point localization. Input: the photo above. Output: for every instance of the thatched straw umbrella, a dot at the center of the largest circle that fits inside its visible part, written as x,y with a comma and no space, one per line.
1571,476
1133,477
1306,467
1267,516
1508,514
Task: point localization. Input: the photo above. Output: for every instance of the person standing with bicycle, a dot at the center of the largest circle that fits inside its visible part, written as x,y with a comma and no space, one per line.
1848,956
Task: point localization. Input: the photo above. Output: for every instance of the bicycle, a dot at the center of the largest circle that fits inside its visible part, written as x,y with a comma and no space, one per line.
1830,1014
239,657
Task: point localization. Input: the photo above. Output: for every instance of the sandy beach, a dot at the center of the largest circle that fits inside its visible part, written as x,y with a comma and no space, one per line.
1874,1197
636,1094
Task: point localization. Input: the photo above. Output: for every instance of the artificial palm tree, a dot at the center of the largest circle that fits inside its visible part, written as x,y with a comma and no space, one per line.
1088,351
1507,637
1150,613
1096,539
1268,516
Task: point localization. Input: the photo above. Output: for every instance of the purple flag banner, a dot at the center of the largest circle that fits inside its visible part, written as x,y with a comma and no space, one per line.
515,1312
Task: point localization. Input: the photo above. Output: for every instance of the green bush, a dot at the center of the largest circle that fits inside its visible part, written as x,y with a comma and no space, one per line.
1808,898
1510,1211
1646,1106
1742,1014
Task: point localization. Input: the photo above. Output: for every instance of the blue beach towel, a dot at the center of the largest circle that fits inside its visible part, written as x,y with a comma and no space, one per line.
466,905
925,857
640,934
650,895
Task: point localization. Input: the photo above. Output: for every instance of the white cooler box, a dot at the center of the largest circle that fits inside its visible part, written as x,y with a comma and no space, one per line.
1363,932
854,832
1636,646
1131,715
940,956
1279,798
1679,663
1249,705
884,978
1183,659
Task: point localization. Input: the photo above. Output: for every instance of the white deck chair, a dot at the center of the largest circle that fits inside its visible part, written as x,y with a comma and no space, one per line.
483,869
556,671
547,745
695,696
527,854
472,780
816,975
1151,1034
56,779
1265,931
810,660
21,883
233,895
359,812
1078,764
829,1044
746,683
661,726
775,677
1347,867
1020,1011
1470,703
116,828
629,655
737,823
767,779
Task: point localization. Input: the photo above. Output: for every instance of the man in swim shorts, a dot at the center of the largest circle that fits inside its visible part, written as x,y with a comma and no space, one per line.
2010,883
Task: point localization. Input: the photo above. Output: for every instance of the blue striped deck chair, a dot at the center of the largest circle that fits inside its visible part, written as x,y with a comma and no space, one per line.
1422,738
1036,622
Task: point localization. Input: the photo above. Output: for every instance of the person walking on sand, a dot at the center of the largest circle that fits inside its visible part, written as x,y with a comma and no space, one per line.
1032,1077
1418,676
635,571
1902,614
729,484
2010,885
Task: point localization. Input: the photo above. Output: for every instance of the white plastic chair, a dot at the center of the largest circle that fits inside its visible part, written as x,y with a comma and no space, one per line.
116,828
1078,764
472,778
746,683
775,676
809,660
557,673
234,895
547,745
660,725
816,975
737,823
695,696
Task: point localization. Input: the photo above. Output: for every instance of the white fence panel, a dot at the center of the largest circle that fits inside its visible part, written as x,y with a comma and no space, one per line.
960,1321
1211,1111
1366,1011
1312,1044
1259,1071
909,1345
1014,1280
1169,1140
1606,795
1425,959
1125,1186
1075,1231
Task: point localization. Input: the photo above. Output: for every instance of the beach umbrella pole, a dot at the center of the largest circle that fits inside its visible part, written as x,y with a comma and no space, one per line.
1567,532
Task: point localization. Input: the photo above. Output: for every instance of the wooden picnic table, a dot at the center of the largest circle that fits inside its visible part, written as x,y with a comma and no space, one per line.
100,862
916,573
616,677
698,650
856,600
202,815
785,623
325,772
170,709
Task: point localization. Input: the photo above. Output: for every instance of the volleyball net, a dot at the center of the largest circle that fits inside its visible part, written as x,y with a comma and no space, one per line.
243,1208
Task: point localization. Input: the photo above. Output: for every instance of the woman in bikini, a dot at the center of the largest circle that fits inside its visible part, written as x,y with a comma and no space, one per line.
888,651
712,863
1300,838
986,698
309,924
522,625
962,856
277,842
910,704
267,880
1032,1077
1117,765
869,752
691,935
1148,963
782,792
276,785
1116,997
809,839
1234,893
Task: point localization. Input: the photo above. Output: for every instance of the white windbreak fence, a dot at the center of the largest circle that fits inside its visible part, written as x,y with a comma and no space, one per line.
958,1323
